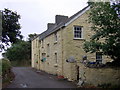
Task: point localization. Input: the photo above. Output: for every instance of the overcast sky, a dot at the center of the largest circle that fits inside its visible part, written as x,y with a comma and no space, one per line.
35,14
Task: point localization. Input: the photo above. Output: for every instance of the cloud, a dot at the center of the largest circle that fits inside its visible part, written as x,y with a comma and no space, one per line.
35,14
18,1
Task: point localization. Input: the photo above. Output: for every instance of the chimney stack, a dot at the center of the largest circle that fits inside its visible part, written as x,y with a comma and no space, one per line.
50,25
60,18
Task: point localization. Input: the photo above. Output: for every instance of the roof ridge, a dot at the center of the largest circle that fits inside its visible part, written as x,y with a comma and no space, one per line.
61,24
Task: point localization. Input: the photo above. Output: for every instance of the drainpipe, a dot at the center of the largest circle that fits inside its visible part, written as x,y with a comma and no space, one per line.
62,51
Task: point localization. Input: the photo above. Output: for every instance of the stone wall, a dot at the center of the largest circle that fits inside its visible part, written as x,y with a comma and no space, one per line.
74,47
99,76
35,53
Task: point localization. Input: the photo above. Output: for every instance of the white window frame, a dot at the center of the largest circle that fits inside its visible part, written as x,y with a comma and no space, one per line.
100,59
74,32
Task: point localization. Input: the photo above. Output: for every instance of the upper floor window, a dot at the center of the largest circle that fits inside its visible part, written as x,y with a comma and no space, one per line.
55,36
48,49
78,32
42,43
56,59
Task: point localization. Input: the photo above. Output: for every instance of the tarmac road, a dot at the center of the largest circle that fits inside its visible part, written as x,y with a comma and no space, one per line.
26,77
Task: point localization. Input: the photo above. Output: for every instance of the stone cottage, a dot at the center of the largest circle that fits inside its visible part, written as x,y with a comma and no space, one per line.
59,49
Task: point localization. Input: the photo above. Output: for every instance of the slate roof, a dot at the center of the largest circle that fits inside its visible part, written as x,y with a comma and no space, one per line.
50,31
60,25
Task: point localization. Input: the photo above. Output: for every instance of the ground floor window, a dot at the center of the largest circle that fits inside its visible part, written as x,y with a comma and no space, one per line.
99,57
43,57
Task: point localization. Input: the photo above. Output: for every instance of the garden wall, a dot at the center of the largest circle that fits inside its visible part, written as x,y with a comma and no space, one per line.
100,76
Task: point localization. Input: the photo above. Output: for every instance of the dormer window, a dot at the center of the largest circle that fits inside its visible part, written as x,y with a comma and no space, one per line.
78,32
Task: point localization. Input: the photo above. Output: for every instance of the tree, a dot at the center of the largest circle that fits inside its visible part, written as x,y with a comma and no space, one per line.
19,51
31,36
105,19
10,28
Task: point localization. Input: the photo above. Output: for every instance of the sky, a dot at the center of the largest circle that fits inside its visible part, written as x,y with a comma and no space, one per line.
35,14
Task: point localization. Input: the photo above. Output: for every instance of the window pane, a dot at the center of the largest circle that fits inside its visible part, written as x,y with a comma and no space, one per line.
78,28
56,58
77,32
98,56
75,28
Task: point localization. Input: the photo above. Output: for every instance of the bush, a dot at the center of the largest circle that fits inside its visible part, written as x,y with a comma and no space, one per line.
6,70
6,66
0,67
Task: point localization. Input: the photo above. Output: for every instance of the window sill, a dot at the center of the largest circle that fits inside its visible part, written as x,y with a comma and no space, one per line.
78,39
55,42
55,65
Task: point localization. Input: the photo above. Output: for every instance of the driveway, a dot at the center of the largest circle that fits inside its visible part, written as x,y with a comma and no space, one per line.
26,77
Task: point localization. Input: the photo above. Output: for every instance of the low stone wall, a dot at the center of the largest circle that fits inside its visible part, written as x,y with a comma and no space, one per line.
100,76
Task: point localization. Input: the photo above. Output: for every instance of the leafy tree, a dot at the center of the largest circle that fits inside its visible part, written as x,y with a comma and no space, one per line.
31,36
19,51
105,19
10,28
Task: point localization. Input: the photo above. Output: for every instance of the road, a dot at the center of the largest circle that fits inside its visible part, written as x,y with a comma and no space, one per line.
26,77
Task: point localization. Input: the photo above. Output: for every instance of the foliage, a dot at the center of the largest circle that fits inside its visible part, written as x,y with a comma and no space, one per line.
106,25
31,36
6,66
108,85
10,28
23,63
0,67
19,51
7,74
